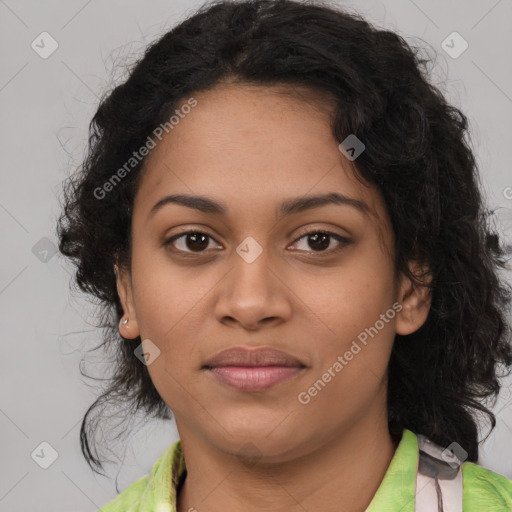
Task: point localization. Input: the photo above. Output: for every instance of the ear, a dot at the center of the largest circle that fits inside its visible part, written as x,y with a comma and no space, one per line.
415,300
125,292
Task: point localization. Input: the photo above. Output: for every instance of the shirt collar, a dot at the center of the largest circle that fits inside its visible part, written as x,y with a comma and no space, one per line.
396,491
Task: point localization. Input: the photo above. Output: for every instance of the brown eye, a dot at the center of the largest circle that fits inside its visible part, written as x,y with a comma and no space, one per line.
319,241
190,242
193,241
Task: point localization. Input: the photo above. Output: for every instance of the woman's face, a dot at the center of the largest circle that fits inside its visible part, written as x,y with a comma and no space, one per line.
257,279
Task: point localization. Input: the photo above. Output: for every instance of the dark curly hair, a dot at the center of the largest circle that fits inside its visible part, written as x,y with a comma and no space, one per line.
416,154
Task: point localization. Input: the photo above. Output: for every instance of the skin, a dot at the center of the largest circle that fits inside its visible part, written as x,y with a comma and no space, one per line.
252,147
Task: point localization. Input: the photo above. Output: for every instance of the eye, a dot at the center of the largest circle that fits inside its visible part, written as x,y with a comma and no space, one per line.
198,241
320,240
195,241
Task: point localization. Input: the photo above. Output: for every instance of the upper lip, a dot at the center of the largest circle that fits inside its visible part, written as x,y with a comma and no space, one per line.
241,356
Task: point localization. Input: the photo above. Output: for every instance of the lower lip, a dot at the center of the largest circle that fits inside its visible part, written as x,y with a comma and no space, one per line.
256,378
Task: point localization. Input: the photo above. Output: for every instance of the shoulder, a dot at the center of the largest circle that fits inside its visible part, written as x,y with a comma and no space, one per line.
484,489
127,500
156,488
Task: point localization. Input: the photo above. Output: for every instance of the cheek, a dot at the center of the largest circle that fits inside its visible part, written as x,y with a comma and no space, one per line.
355,306
165,294
349,299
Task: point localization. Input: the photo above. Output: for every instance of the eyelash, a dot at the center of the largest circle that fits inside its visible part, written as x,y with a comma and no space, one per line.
342,240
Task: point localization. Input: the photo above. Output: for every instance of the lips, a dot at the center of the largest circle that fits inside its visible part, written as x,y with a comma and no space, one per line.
252,357
253,370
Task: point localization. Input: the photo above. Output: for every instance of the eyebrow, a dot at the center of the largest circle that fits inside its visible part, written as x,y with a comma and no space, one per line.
287,207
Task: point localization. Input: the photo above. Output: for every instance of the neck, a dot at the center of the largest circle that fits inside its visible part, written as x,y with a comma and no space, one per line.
342,473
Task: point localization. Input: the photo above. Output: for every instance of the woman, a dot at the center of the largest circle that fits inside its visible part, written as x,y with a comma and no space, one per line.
284,221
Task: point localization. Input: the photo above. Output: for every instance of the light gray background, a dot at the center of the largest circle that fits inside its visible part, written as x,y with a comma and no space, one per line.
46,106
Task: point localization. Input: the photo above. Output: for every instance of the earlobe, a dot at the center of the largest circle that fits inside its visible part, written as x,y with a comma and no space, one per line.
128,326
415,300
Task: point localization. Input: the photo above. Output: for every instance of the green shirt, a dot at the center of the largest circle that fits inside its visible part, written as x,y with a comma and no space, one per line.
483,490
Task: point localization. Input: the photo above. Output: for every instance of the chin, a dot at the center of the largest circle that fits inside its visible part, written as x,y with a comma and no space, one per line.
258,446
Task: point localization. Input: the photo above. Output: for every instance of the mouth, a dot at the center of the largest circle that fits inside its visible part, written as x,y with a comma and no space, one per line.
253,370
255,378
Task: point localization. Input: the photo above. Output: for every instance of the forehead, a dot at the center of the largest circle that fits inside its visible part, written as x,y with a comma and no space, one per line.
248,127
251,147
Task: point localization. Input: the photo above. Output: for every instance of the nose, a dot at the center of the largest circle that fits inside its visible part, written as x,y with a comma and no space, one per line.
252,293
